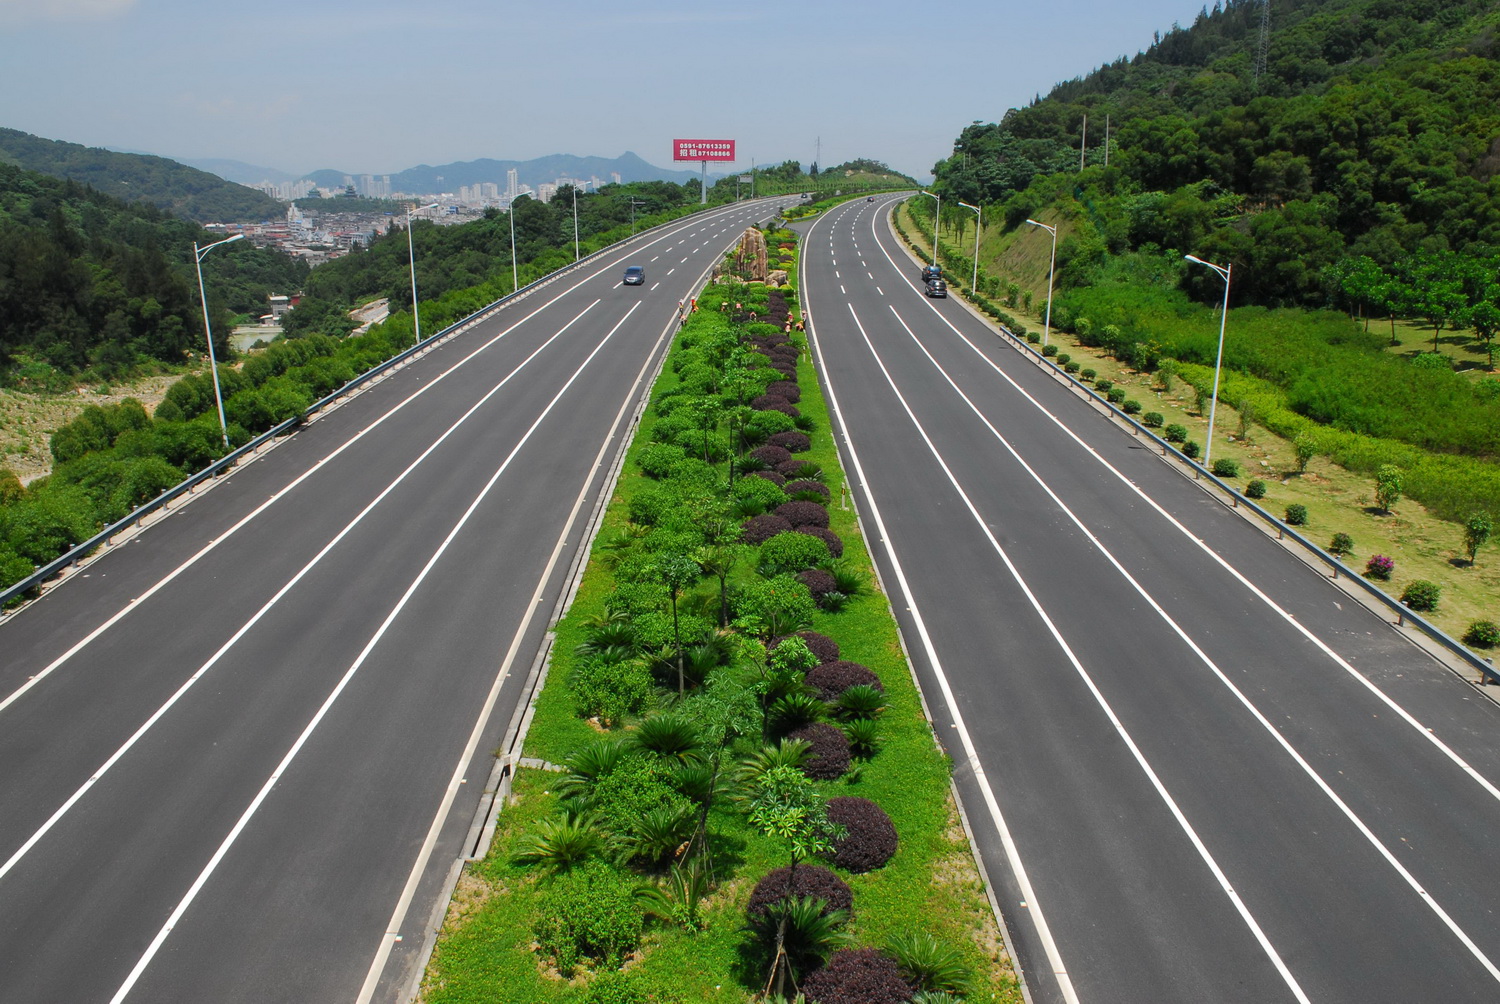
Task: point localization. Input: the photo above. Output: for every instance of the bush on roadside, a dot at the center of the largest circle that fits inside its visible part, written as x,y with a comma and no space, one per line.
800,514
857,976
833,678
813,881
1482,634
759,529
1421,595
1175,433
1380,567
1256,489
791,552
1341,545
830,751
1152,420
869,839
589,913
1131,407
1226,467
1296,514
1191,449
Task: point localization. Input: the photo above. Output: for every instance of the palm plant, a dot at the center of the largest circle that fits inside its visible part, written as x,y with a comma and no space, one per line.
928,963
800,935
671,735
787,753
659,834
588,764
864,736
789,713
560,842
849,580
678,896
860,701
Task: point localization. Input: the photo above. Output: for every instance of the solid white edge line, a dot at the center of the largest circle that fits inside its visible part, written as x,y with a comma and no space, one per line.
1099,698
333,696
1207,661
1239,576
971,754
265,608
136,602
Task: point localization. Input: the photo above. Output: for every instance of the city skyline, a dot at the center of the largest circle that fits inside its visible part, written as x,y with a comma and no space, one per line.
381,86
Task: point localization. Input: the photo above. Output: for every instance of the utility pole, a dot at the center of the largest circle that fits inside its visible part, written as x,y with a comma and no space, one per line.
1083,144
1106,140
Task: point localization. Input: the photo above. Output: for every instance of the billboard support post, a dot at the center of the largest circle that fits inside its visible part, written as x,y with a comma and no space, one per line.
703,150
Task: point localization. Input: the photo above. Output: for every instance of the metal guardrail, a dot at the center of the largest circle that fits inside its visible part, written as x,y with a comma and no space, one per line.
81,551
1404,615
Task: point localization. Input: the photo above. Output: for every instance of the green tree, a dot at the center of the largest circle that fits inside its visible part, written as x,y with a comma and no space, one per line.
677,572
1388,486
1477,530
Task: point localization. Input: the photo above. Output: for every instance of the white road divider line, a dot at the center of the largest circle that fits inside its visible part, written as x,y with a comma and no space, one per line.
1213,667
244,629
312,725
1119,726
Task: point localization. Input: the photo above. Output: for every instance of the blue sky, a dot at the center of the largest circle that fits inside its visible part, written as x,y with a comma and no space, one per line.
378,86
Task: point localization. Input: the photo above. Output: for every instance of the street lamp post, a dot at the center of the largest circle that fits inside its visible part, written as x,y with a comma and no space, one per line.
633,204
1224,271
576,255
515,274
213,364
978,226
411,257
1051,265
937,215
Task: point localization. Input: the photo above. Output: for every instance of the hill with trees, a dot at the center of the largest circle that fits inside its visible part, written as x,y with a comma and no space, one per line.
92,284
178,189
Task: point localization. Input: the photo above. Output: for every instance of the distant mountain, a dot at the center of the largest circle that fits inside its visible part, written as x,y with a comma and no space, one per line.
450,177
166,184
240,172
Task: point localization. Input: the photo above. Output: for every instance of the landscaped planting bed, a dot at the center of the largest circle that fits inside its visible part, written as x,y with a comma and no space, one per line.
744,758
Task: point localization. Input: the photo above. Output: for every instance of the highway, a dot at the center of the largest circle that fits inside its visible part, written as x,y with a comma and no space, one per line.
242,751
1196,770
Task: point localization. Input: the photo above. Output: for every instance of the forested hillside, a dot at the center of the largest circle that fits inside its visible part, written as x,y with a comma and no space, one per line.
91,283
1373,130
165,184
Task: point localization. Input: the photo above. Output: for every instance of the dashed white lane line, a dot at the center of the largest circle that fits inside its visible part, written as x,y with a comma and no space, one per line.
1067,650
654,257
681,262
654,285
671,270
879,290
333,696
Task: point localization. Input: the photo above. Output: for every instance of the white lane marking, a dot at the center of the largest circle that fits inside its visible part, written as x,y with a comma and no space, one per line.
879,290
835,261
1203,656
671,270
1223,563
244,629
617,285
137,602
843,290
653,258
654,285
682,262
971,754
419,867
333,696
836,274
871,277
1098,695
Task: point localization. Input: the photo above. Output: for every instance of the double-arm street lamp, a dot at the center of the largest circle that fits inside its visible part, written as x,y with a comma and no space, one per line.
1224,271
213,364
937,215
1051,266
411,257
978,226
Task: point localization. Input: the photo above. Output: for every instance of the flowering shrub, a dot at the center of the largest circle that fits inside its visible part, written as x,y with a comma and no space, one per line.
803,514
858,976
814,881
792,442
818,582
1380,567
830,751
833,678
791,552
759,529
834,542
869,839
766,402
822,646
1420,594
771,455
785,388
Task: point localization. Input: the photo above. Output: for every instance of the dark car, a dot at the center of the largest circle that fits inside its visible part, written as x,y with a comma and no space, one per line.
870,198
937,287
930,272
634,276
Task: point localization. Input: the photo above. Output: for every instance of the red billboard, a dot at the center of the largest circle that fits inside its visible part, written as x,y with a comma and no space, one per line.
703,149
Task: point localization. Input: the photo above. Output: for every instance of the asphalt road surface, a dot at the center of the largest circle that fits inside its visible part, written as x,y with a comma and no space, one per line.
242,750
1195,768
